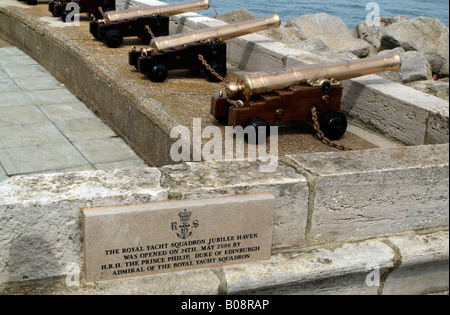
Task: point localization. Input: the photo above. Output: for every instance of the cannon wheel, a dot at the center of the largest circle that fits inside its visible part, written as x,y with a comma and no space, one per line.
114,38
261,133
64,15
56,8
333,124
51,5
158,73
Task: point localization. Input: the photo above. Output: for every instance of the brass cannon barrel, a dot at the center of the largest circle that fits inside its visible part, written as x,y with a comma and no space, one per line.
219,33
168,10
255,83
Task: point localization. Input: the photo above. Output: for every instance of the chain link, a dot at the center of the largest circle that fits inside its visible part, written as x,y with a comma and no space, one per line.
100,9
321,135
210,69
149,30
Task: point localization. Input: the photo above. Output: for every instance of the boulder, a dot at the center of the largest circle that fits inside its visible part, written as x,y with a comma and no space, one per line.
236,16
293,37
373,33
414,67
437,88
428,36
332,31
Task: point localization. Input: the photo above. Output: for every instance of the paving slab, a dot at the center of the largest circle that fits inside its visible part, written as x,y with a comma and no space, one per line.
84,129
21,115
16,98
3,75
29,135
3,175
104,150
51,96
64,112
44,83
40,118
39,158
12,56
7,85
25,71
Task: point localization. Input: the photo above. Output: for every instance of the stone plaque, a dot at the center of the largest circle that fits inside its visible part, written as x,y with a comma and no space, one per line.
139,240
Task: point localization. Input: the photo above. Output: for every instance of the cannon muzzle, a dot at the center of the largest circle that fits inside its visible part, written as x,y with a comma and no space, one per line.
220,33
167,10
256,83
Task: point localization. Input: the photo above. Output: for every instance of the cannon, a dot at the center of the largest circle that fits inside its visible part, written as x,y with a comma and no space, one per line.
94,7
203,49
259,99
144,23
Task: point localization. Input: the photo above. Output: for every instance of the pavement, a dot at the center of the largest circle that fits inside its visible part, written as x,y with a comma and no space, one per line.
45,129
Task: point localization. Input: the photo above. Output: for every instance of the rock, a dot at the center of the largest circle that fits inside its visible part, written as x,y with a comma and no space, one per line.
314,50
428,36
239,15
332,31
414,67
437,63
291,36
372,34
436,88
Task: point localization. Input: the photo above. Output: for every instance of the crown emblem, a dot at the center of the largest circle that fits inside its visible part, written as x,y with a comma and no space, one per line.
185,216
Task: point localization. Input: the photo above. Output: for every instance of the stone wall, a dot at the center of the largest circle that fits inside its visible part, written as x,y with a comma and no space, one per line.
329,201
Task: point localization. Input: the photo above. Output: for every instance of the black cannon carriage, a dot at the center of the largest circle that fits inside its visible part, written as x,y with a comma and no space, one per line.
145,23
204,49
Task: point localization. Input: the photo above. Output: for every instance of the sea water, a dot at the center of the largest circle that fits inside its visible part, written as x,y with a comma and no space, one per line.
352,12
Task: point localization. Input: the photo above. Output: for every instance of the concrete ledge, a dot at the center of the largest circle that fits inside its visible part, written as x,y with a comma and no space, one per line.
41,216
350,269
397,111
315,204
355,197
207,180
